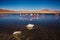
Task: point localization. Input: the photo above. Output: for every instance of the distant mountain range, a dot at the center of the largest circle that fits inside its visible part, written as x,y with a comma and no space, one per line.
31,11
7,11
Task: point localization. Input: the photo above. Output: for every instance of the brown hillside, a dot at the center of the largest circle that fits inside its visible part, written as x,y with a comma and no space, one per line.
31,11
7,11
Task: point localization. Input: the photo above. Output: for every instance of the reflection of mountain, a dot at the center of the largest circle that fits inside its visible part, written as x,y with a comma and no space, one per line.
7,11
31,11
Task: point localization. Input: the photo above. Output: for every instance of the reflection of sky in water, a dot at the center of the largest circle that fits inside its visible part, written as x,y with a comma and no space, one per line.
43,20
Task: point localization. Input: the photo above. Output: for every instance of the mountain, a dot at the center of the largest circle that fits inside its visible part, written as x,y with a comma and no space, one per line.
49,11
31,11
40,11
7,11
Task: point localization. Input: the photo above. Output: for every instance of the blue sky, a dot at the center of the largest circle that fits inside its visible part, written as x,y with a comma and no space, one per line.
30,4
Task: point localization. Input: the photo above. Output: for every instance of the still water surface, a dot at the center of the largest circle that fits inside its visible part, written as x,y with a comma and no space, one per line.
43,20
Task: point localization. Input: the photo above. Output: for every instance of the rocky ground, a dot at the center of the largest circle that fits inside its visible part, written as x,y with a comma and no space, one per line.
35,34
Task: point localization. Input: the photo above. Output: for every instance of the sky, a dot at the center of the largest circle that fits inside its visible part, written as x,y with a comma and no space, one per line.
30,4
